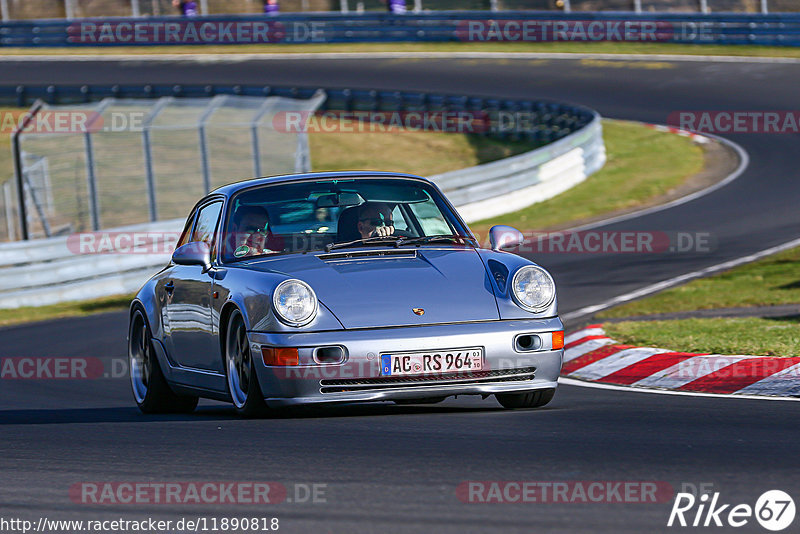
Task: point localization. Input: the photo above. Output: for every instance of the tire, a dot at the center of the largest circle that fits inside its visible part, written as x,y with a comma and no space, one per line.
531,399
240,371
150,389
426,400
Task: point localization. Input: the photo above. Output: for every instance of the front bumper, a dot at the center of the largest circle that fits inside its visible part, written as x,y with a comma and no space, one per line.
358,379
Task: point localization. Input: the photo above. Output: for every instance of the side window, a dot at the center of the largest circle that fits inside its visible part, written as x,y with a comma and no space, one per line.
399,219
206,224
187,232
430,218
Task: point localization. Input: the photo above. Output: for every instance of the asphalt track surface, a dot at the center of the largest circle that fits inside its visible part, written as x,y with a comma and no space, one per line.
395,469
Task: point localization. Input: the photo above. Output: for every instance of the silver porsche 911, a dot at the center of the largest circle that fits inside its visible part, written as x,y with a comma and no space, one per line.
341,287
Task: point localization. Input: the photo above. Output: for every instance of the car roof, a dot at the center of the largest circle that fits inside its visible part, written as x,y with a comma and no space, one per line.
230,189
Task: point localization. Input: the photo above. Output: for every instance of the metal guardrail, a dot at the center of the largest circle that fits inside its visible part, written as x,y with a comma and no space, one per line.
48,271
444,26
510,184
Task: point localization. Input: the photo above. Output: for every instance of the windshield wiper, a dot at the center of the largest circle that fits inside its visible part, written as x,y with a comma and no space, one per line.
444,238
364,241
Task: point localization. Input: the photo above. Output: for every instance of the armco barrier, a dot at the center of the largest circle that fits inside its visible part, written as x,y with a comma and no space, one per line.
47,271
694,28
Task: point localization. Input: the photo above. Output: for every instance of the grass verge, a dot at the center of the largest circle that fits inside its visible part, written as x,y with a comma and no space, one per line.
423,153
643,164
768,282
64,309
753,335
567,47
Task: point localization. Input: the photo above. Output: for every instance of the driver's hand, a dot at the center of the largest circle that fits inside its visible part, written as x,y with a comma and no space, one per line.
382,231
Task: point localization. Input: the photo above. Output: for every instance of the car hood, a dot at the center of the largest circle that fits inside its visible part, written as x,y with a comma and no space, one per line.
384,287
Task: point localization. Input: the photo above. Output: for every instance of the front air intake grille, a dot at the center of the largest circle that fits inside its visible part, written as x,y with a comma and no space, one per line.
396,382
349,255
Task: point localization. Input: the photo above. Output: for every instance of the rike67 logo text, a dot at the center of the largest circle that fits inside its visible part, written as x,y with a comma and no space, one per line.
774,510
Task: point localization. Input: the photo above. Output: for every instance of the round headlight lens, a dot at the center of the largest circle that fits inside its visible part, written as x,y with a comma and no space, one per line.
295,302
533,288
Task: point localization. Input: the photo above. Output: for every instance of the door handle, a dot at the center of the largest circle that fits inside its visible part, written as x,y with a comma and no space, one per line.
170,286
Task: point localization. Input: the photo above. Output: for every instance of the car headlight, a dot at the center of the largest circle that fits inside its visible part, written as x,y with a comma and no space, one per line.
533,288
295,302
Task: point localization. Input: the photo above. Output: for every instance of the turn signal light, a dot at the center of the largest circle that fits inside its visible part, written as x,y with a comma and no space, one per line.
558,340
280,356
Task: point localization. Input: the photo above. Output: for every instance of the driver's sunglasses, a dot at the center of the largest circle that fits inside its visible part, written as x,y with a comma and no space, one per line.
378,222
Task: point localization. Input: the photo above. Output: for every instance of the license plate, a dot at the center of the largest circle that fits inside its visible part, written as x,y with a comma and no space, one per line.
432,362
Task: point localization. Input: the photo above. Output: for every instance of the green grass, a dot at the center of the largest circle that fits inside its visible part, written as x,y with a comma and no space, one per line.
771,281
642,164
64,309
568,47
753,336
423,153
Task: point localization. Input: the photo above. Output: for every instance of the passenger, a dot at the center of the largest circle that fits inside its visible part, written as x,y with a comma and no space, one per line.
375,219
250,233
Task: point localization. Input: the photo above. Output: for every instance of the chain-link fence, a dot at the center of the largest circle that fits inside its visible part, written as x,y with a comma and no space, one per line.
127,161
42,9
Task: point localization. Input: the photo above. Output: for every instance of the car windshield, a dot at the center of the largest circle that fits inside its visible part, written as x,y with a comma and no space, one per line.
331,214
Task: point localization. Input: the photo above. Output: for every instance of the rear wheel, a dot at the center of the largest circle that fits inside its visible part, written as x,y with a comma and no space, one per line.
150,389
240,369
531,399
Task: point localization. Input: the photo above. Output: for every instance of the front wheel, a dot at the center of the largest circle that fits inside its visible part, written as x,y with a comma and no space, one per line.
531,399
150,389
240,369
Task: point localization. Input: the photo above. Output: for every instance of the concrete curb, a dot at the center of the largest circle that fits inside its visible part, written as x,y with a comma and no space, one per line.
592,356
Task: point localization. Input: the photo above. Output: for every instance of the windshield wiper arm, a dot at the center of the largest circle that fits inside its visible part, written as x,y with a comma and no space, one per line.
364,241
430,239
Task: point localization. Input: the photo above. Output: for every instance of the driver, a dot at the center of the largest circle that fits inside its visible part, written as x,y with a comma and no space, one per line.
375,220
250,234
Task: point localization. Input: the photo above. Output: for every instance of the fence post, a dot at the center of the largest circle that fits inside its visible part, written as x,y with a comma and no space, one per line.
69,8
493,5
150,175
567,6
343,7
201,130
703,6
637,6
765,6
18,170
417,6
91,172
135,11
254,137
7,201
204,7
302,158
6,15
91,182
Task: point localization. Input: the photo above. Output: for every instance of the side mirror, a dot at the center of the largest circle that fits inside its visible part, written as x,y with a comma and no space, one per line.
197,253
502,236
